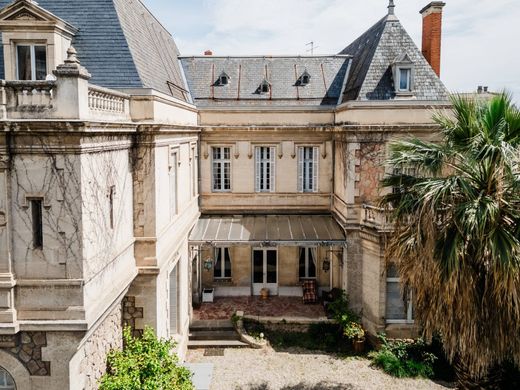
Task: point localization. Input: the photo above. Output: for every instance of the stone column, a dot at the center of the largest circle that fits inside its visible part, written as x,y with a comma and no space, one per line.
7,282
71,88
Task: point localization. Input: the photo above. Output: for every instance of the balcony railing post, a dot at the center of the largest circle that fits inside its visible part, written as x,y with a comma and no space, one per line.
72,88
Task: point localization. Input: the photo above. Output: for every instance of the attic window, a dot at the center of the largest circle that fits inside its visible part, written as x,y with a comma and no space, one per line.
223,79
405,78
264,87
304,79
403,72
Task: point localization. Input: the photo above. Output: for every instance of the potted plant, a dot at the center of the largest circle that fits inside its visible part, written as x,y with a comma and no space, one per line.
354,331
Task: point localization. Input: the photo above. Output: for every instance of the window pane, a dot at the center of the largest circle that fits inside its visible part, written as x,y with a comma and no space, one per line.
404,79
227,263
24,62
312,264
40,55
218,263
395,307
37,221
258,266
6,380
302,263
271,266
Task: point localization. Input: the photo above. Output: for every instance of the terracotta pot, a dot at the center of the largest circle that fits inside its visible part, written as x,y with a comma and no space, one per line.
264,293
358,345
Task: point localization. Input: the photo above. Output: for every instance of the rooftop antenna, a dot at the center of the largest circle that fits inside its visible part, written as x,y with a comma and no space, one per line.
312,47
391,8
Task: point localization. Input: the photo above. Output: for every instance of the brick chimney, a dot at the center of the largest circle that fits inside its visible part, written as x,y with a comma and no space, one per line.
432,34
208,53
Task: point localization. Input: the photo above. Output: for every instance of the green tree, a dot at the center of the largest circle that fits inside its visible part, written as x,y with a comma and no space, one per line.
457,232
145,363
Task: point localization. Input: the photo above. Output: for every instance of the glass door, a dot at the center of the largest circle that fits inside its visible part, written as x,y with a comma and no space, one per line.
265,270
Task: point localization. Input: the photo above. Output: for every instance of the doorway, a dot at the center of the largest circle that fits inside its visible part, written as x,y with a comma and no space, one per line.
265,270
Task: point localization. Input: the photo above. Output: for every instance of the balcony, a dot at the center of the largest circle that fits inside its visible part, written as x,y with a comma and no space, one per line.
70,96
53,100
376,218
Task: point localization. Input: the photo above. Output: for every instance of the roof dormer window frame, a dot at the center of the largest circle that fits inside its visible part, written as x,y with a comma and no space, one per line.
35,73
304,79
223,79
403,69
264,87
24,23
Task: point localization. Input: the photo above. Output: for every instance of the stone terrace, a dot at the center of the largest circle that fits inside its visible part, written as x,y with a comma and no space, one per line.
287,307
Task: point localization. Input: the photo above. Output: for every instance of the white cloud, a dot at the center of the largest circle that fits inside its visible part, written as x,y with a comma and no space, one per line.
479,40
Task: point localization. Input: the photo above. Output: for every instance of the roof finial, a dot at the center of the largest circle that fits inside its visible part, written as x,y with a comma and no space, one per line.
391,7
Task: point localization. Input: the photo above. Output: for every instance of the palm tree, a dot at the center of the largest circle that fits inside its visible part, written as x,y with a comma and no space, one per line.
457,231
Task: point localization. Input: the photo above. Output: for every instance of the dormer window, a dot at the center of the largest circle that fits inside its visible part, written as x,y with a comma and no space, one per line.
264,87
403,72
405,79
31,62
223,79
304,79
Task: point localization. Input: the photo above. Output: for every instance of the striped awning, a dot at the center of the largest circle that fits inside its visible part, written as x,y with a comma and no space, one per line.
262,229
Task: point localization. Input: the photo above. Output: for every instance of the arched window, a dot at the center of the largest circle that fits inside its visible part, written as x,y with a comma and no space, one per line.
6,380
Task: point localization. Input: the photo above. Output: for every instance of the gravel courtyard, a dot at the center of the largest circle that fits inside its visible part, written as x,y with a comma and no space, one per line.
248,369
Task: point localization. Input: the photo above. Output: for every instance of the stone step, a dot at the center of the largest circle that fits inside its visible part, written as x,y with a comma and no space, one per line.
209,325
194,344
214,335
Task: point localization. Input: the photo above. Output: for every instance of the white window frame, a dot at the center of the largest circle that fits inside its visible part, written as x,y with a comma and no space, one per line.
265,169
314,252
193,171
32,47
308,169
220,165
409,305
223,250
408,81
173,175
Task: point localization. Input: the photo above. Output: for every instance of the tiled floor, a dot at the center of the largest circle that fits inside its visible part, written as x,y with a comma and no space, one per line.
223,308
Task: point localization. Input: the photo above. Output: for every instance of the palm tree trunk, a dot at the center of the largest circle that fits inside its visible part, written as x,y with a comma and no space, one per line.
466,380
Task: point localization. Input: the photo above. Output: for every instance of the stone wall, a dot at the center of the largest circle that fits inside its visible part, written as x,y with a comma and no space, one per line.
130,313
27,348
107,336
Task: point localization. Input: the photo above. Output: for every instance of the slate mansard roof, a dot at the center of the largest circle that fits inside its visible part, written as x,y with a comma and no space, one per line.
362,71
120,43
373,54
283,74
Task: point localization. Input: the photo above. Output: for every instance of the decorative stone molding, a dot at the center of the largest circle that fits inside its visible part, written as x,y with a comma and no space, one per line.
72,67
130,314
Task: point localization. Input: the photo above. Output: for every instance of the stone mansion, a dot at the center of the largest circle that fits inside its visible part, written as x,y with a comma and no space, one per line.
132,178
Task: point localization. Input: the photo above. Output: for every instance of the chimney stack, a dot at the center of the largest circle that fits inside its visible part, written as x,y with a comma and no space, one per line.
432,33
208,53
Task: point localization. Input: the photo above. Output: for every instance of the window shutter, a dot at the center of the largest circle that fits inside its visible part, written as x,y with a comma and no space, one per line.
315,168
258,169
272,173
301,160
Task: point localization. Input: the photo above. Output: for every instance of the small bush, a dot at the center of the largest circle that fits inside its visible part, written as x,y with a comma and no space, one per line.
404,359
145,363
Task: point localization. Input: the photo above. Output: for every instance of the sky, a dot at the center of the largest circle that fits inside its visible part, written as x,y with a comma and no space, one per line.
480,38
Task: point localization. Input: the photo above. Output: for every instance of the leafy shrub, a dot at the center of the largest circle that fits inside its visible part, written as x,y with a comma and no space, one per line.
404,358
145,363
346,318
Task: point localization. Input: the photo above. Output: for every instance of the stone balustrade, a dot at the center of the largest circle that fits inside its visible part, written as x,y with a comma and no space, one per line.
376,217
107,101
28,97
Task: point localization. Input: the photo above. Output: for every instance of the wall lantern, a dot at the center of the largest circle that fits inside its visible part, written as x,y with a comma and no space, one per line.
208,264
326,265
